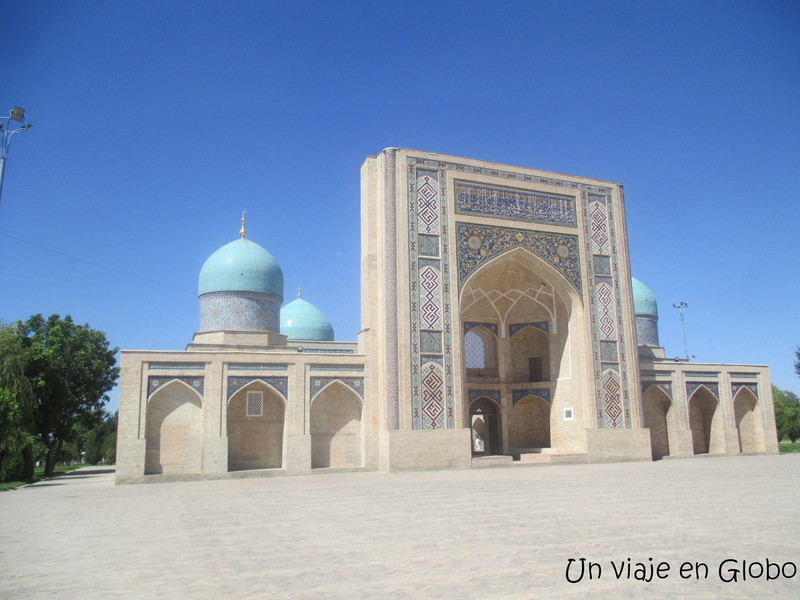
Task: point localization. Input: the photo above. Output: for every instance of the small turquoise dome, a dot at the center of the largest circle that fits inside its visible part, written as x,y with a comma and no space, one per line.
644,301
241,266
301,320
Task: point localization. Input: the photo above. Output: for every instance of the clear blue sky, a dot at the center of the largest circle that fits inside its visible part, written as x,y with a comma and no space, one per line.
155,123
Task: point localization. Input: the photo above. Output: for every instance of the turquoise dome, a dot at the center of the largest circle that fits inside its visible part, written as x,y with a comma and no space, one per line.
241,266
644,301
301,320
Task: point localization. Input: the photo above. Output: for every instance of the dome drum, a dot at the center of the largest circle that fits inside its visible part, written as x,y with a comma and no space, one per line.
239,311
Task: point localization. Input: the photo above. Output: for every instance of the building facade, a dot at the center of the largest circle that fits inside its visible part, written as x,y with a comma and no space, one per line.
500,325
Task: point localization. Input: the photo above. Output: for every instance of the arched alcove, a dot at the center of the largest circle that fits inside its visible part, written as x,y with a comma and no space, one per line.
530,355
705,422
336,432
748,423
173,431
657,405
486,427
255,424
531,423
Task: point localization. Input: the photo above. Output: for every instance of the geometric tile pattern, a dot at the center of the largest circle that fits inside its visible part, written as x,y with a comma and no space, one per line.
519,205
736,387
258,366
612,393
354,383
599,227
249,311
279,384
154,383
606,319
477,244
428,202
432,383
437,169
176,366
431,298
612,404
692,387
432,407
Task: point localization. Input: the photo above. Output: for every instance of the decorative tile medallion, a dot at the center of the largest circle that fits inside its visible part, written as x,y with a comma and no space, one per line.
472,325
154,383
664,386
737,387
279,384
493,394
320,383
478,244
692,387
516,327
543,393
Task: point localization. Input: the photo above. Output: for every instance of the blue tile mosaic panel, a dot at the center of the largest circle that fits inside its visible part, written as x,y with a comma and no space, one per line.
478,244
514,204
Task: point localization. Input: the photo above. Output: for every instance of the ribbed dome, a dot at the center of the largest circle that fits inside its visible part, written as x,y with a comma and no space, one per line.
644,301
241,266
301,320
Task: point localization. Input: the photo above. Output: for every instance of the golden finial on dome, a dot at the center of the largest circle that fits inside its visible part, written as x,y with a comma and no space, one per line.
243,231
300,292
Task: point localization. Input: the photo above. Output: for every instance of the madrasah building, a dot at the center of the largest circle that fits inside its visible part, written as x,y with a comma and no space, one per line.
500,325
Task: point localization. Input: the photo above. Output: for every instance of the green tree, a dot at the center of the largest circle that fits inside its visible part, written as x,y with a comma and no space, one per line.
787,414
16,409
101,441
797,360
70,368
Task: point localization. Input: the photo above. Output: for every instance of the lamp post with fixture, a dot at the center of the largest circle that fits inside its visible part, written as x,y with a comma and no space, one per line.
8,127
682,306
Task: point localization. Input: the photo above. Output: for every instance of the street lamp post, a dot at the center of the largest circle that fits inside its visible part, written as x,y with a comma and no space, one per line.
7,129
682,306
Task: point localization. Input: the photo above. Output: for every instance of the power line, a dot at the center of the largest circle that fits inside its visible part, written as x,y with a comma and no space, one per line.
94,264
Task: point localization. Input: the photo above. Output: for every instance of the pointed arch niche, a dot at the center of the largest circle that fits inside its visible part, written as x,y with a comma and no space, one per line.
526,300
529,311
747,415
255,423
336,428
173,430
659,418
705,422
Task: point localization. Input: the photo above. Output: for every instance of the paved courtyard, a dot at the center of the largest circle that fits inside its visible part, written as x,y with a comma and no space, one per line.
483,534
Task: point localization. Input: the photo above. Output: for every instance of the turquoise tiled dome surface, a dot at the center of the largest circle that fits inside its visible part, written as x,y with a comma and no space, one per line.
241,266
644,301
301,320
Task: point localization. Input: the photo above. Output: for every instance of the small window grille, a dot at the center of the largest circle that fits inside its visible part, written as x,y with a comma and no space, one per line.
255,404
474,349
568,414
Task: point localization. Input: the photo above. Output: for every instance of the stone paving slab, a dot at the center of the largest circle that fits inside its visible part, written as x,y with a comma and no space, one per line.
483,534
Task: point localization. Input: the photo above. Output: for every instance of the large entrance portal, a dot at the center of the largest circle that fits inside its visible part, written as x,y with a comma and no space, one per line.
484,416
517,313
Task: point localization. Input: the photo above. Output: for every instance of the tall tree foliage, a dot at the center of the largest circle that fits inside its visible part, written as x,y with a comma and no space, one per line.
16,409
70,368
797,360
787,414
